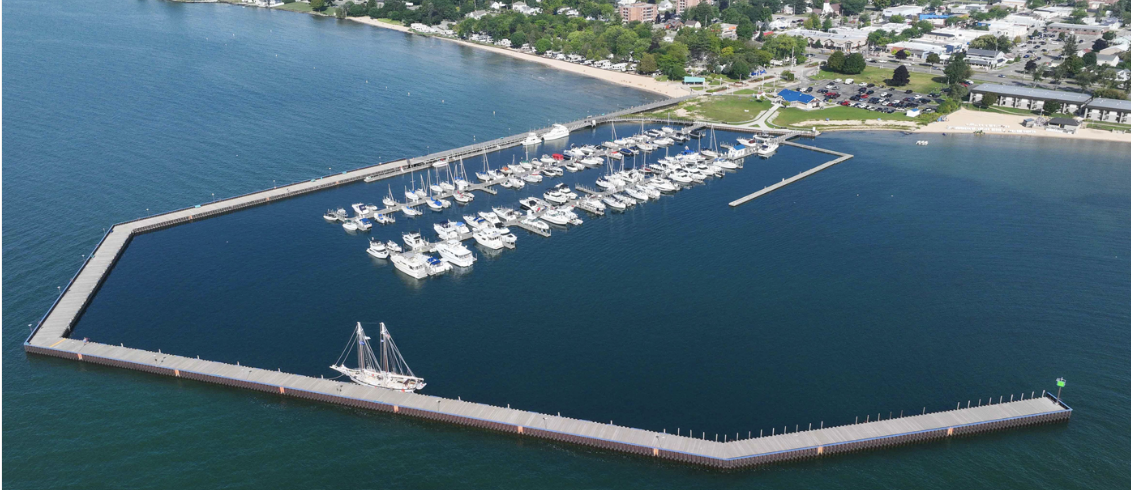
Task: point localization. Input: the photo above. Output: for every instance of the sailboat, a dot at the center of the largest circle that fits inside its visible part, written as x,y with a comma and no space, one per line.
384,370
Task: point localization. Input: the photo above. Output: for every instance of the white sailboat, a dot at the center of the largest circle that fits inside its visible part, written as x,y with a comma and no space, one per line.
387,369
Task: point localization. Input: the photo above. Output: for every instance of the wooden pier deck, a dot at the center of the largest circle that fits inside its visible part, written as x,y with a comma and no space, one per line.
51,337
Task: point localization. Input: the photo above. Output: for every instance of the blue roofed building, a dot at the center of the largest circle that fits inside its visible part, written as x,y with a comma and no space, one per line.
797,99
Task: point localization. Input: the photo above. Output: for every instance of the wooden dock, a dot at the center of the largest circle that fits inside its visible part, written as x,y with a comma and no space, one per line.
840,157
51,337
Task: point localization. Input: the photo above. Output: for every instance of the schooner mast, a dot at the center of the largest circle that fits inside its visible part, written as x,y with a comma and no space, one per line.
386,369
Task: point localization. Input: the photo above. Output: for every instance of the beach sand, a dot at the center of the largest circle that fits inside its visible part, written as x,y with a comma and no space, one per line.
967,121
669,89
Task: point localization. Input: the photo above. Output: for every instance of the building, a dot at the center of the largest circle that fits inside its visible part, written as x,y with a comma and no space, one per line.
1013,4
920,51
1066,124
681,6
1109,110
847,40
985,58
728,31
794,98
694,80
1077,29
1107,59
1030,98
904,10
1050,13
638,12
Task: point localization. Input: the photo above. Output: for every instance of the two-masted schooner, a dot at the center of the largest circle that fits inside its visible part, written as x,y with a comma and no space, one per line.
384,370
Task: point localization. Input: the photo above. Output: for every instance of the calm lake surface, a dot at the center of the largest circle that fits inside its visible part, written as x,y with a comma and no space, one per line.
907,277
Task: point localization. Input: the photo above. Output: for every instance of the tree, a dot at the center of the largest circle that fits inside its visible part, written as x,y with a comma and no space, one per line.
317,5
1030,66
1089,58
647,63
989,100
852,7
787,76
901,54
897,19
933,58
544,45
739,70
1051,107
836,61
1110,93
900,76
376,13
984,42
1038,74
518,39
854,64
957,70
745,29
827,24
1109,35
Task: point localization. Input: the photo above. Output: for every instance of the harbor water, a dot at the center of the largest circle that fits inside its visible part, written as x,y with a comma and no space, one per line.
906,278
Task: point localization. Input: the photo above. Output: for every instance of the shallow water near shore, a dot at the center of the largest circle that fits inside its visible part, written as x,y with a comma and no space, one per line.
903,278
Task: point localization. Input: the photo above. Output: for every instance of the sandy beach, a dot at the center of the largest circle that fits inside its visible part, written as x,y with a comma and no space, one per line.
669,89
967,121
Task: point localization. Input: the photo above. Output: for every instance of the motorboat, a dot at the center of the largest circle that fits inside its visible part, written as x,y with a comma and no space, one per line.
335,215
532,204
350,225
555,196
663,185
413,264
767,149
436,266
556,132
364,224
490,217
536,223
377,249
725,164
628,201
411,211
463,197
387,369
709,154
553,172
591,204
384,219
526,165
533,177
591,162
475,222
506,214
393,247
555,216
453,252
434,204
413,240
451,229
531,139
574,167
680,176
364,209
514,183
614,203
489,238
651,192
636,194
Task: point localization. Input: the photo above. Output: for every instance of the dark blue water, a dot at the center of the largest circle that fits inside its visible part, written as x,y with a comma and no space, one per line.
906,277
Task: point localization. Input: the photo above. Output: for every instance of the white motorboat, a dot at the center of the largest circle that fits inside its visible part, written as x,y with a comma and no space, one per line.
508,238
695,175
411,211
574,167
350,225
533,222
490,217
552,172
636,194
489,238
412,264
591,161
434,204
709,154
475,222
451,229
531,139
393,247
725,164
506,214
650,190
533,177
514,183
555,216
628,201
364,224
767,149
453,252
463,197
414,240
591,203
335,215
377,249
546,159
555,196
436,266
661,142
680,176
613,203
532,204
364,209
387,370
664,185
556,132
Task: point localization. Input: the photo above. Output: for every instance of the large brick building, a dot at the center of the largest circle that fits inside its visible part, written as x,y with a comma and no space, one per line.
640,12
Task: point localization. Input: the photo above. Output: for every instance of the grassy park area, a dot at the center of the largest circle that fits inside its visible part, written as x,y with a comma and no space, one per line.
920,82
723,108
790,116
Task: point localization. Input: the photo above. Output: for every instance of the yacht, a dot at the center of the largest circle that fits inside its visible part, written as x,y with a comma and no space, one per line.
680,176
412,264
547,159
384,219
637,194
410,195
533,177
387,370
413,240
514,183
613,203
531,139
474,222
506,214
489,238
364,209
725,164
533,222
649,190
532,204
555,216
335,215
592,205
377,249
364,224
410,211
574,166
628,201
555,196
453,252
556,132
451,229
767,149
393,247
490,217
664,185
553,172
436,266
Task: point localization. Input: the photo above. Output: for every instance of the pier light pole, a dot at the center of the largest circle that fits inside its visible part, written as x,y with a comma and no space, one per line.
1059,385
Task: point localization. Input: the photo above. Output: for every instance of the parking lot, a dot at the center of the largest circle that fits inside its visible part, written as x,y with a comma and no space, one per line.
870,96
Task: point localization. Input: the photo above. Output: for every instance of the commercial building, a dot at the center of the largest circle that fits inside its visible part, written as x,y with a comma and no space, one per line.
1030,98
1109,110
638,12
985,58
844,39
904,10
919,51
794,98
1077,29
681,6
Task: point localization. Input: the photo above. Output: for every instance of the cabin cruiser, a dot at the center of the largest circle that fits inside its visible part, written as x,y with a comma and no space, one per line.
606,183
463,197
384,219
556,132
574,167
725,164
414,240
665,141
533,177
636,194
547,159
475,222
514,183
490,217
613,203
532,204
531,139
591,204
506,214
536,223
350,225
555,216
767,149
453,252
680,176
436,266
410,211
553,172
364,209
393,247
334,215
628,201
364,224
591,161
555,196
377,249
489,238
412,264
451,229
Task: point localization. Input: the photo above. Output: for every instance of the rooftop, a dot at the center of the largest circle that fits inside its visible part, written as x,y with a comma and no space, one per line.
1032,93
1113,104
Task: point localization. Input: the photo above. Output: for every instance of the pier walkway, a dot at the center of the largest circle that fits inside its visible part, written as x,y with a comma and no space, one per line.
51,337
840,157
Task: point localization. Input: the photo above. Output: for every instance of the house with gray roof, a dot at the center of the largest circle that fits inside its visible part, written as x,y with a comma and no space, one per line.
1030,98
1108,110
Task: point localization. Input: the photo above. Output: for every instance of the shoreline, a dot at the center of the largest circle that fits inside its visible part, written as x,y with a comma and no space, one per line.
965,121
639,82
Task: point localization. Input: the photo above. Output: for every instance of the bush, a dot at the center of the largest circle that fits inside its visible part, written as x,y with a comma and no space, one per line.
1052,107
787,76
1110,93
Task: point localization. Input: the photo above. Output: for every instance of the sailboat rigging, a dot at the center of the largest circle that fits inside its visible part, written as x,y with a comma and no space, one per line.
384,370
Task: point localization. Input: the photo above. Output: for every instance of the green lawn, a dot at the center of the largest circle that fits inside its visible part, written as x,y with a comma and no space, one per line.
1108,126
304,7
720,108
744,91
790,116
920,82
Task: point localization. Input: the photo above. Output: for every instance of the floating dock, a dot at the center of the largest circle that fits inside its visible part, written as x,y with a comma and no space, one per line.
840,157
51,337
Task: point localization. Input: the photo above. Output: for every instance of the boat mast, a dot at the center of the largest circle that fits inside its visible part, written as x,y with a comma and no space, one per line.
384,349
360,348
